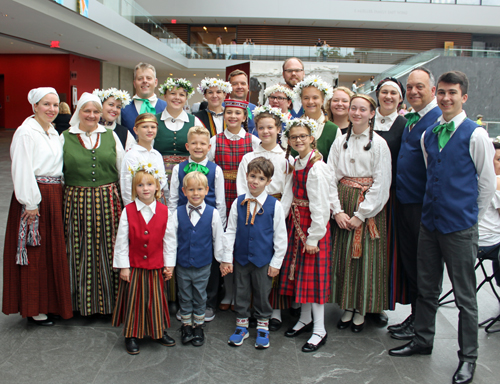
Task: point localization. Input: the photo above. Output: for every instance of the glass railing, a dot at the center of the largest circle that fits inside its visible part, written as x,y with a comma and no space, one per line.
459,2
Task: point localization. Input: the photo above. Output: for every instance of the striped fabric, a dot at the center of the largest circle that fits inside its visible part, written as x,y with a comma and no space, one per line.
141,304
228,155
359,283
91,223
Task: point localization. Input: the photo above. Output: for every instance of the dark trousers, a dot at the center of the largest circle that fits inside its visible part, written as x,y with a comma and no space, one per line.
213,284
250,280
458,250
409,216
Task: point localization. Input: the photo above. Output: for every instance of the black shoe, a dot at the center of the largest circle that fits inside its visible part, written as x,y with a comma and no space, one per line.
131,345
356,328
252,322
380,319
293,333
308,347
399,327
166,340
409,349
274,325
464,373
345,324
295,312
198,336
187,333
407,333
46,323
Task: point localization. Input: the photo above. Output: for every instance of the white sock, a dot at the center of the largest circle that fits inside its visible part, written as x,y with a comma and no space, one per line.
347,315
305,317
229,286
358,318
318,311
40,317
276,314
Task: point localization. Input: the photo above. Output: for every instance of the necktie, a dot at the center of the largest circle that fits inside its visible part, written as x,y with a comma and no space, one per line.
195,209
146,107
412,118
191,167
247,202
250,116
444,133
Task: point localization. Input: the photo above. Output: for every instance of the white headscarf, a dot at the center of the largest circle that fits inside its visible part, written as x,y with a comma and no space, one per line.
84,99
36,94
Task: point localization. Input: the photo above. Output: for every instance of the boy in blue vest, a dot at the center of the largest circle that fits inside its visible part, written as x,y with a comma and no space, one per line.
194,234
256,238
460,184
198,146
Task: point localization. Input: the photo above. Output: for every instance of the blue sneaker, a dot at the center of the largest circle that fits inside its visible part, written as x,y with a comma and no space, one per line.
262,340
238,336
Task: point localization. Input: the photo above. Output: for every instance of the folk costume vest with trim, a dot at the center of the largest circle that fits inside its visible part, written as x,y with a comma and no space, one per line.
170,143
210,197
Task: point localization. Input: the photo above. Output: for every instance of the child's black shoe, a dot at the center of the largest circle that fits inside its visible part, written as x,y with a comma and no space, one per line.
187,333
166,340
198,336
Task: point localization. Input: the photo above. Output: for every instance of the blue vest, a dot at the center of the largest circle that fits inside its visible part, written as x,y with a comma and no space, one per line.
254,243
194,243
298,114
129,114
450,201
412,174
210,197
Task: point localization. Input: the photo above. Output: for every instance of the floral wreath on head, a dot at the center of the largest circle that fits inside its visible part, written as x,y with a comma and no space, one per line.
222,85
314,81
279,88
302,122
148,168
273,111
171,83
118,94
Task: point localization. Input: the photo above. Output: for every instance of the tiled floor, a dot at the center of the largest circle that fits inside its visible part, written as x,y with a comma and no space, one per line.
83,350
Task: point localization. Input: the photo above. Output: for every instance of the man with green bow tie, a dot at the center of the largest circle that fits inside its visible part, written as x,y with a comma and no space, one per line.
460,184
144,100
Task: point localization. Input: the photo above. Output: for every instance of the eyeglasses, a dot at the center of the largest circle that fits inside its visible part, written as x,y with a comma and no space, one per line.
279,98
292,70
301,137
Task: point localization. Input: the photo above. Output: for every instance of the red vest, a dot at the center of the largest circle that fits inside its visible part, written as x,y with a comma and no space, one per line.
146,240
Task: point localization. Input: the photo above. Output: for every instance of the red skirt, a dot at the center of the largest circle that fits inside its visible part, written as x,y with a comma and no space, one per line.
43,285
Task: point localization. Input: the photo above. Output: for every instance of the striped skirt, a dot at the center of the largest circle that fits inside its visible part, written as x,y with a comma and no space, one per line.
141,305
43,285
360,283
91,223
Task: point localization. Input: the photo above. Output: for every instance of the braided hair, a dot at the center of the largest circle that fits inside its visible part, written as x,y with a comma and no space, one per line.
371,123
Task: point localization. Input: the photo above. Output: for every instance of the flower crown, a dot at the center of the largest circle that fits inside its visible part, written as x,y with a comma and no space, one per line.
313,81
273,111
171,83
148,168
118,94
279,88
303,122
222,85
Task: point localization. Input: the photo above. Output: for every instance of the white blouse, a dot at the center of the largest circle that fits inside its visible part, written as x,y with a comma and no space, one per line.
384,123
132,158
176,124
34,153
232,137
318,191
356,162
281,181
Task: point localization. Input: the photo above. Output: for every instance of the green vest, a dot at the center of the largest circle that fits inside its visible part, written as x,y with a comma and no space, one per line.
325,141
89,167
170,143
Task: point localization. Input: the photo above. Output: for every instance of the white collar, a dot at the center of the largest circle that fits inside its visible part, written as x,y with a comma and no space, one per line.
241,134
202,205
458,119
152,98
366,132
433,104
277,149
35,125
140,148
384,123
261,198
183,116
75,129
203,162
140,205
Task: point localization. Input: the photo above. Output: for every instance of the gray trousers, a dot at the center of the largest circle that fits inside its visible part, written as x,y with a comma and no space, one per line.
250,280
459,251
192,286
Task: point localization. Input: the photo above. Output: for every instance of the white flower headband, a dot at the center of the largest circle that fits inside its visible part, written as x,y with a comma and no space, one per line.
313,81
118,94
171,83
273,111
148,168
206,83
279,88
303,122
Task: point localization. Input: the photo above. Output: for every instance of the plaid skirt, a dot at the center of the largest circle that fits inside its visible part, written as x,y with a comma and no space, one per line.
141,304
91,224
311,273
43,285
360,283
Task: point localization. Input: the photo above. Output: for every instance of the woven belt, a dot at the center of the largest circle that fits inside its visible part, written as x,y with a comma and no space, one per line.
230,175
299,233
277,196
48,179
174,159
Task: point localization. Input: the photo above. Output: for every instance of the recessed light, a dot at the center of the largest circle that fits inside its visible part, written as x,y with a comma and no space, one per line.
218,75
171,74
194,74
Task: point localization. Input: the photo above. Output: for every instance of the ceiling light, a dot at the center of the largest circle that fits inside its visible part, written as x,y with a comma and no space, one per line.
218,75
171,74
194,74
205,28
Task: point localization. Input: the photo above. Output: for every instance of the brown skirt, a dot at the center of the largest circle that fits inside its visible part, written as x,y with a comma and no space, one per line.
43,285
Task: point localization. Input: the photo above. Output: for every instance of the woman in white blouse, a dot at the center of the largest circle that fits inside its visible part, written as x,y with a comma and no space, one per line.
361,165
92,160
35,273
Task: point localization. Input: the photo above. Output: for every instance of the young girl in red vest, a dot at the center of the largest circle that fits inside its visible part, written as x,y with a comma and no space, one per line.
305,273
227,150
140,255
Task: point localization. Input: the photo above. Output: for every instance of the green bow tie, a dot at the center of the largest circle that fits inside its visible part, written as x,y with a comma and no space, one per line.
444,133
192,167
250,116
412,117
146,107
